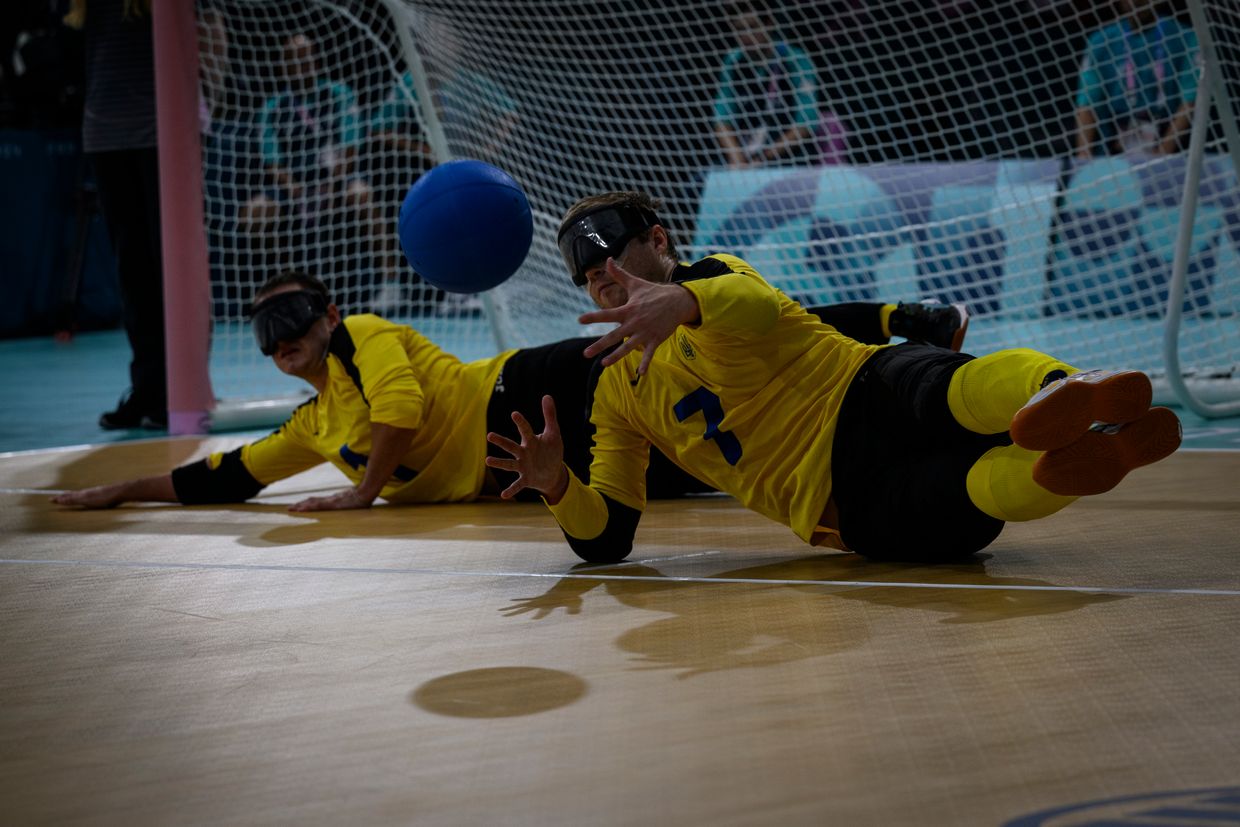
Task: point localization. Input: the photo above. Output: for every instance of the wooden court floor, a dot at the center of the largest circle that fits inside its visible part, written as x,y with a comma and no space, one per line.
451,664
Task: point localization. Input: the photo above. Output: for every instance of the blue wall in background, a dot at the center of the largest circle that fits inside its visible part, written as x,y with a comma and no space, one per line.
1026,238
40,172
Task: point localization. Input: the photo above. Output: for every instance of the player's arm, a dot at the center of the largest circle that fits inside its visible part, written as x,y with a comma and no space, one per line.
223,477
397,405
651,314
599,527
388,445
728,304
146,489
735,304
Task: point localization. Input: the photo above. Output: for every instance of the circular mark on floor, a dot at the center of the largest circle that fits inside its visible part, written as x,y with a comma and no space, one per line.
499,692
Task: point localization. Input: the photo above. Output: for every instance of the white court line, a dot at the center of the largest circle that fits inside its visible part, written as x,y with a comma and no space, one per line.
759,581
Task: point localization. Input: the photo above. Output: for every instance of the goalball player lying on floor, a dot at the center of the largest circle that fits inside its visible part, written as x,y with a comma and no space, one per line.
898,452
405,421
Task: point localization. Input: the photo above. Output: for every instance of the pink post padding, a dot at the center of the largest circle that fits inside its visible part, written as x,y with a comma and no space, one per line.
187,285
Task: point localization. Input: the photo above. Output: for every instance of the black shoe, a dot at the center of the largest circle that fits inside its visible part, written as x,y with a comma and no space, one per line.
130,414
941,325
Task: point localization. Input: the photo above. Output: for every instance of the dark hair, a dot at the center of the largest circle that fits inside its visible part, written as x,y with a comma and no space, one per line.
626,198
303,280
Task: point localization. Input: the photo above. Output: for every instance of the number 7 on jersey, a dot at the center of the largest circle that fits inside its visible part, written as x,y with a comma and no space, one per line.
711,408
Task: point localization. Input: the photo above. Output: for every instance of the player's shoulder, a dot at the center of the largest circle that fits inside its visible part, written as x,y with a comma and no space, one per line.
715,264
366,329
372,323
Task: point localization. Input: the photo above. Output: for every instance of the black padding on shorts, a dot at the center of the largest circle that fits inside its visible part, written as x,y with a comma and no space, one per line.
900,461
200,484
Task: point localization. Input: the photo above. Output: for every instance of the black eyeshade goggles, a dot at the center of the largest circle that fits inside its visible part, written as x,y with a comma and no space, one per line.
286,317
599,235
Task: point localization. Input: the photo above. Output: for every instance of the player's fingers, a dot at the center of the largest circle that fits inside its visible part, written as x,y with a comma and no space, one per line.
608,340
618,273
523,427
552,426
503,443
647,356
610,315
619,353
503,464
511,491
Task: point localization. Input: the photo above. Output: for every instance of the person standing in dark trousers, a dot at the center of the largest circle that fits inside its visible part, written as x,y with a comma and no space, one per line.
119,138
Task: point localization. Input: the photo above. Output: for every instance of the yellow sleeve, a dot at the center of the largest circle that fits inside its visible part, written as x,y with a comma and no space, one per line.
581,512
600,520
735,304
396,397
287,451
238,475
620,454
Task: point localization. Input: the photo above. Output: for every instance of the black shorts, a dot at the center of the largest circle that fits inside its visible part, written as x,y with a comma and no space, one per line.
557,369
900,461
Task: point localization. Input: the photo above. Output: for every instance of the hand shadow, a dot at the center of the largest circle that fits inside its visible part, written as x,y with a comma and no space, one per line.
792,613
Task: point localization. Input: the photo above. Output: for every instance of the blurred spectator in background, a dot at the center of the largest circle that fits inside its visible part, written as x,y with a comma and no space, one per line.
1137,85
40,68
119,137
216,101
766,106
309,136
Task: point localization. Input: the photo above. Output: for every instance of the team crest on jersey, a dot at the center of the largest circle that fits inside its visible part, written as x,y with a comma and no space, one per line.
685,347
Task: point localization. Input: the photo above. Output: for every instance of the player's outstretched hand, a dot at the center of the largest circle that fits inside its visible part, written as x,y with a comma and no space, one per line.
101,496
343,501
652,314
538,460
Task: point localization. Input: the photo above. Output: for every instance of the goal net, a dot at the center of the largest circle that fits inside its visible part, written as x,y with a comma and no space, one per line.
1026,157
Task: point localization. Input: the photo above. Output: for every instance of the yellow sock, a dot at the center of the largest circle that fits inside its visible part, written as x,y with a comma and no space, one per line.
986,393
1001,485
884,318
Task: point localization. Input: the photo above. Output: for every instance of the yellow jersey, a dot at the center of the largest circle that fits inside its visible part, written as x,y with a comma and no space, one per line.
378,372
747,400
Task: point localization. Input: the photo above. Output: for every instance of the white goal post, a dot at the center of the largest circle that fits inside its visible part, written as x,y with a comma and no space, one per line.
878,151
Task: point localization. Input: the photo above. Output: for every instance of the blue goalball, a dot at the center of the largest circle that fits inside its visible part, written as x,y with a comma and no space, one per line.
465,226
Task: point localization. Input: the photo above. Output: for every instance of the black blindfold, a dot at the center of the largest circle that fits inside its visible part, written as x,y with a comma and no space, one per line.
286,317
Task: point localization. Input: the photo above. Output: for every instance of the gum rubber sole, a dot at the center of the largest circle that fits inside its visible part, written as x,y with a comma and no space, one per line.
1059,414
1097,461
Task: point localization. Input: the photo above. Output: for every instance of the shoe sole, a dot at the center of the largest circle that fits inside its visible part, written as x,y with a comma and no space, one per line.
1069,407
1097,461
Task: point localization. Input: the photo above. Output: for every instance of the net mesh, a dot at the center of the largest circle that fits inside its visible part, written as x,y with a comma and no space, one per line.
1023,156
